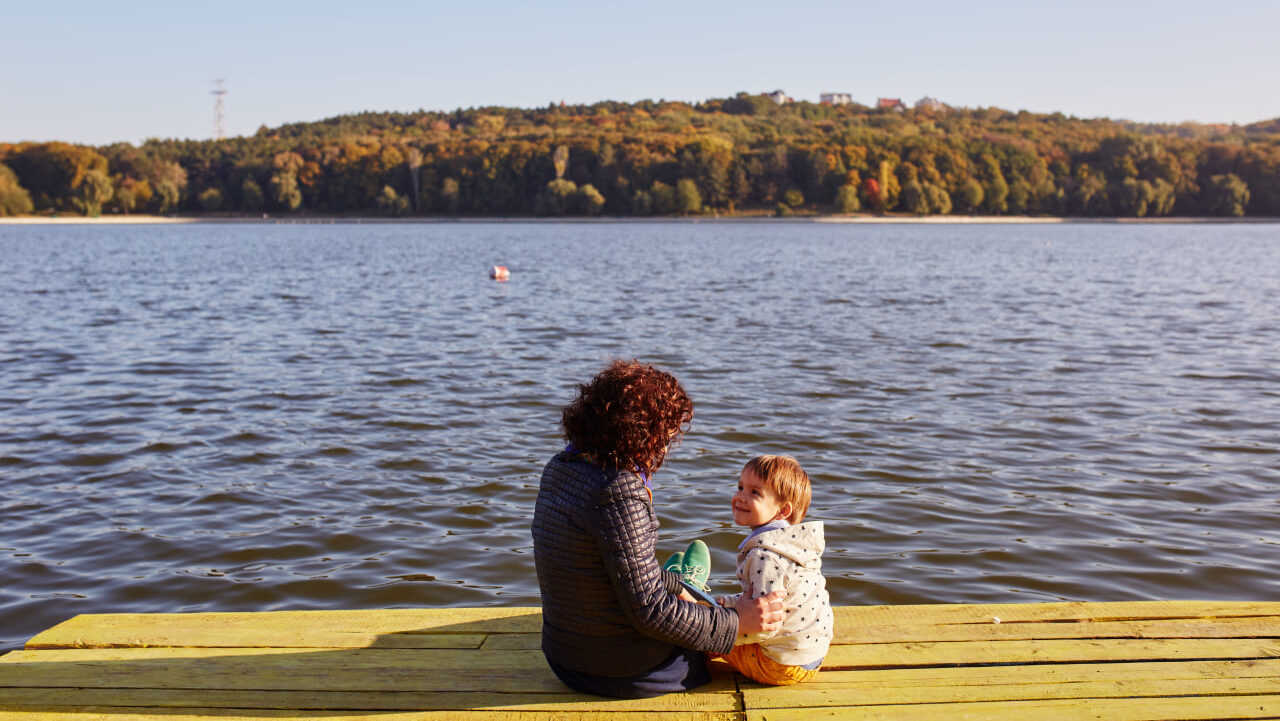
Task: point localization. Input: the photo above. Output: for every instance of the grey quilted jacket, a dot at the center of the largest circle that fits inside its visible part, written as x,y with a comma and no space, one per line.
607,606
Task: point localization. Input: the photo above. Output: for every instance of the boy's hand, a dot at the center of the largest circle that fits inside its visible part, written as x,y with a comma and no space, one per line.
764,614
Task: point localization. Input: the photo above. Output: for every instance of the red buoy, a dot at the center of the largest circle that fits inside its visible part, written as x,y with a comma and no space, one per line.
499,273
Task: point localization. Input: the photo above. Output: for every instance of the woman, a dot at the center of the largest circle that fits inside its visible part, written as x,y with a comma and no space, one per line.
613,622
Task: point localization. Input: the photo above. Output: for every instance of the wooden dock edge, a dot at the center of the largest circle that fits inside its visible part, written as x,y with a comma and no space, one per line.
1120,661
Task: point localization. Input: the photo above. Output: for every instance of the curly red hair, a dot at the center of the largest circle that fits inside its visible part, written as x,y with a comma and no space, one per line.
628,416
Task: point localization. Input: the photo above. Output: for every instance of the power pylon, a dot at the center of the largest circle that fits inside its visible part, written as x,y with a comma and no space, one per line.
219,132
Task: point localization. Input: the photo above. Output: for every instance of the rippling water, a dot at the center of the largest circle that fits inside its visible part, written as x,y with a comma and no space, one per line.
228,417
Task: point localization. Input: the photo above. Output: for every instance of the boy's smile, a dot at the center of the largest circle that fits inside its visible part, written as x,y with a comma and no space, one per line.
755,504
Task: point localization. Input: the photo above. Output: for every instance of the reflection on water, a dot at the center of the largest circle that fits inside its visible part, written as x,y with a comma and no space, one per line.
268,417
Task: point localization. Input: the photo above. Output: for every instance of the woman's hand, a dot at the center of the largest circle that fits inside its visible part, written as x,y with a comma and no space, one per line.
764,614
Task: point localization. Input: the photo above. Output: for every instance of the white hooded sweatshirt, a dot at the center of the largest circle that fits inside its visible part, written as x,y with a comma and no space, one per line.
788,557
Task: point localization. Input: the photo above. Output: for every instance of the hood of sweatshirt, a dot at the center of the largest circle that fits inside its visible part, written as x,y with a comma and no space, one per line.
802,543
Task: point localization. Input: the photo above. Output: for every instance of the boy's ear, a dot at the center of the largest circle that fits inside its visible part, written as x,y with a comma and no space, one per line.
784,512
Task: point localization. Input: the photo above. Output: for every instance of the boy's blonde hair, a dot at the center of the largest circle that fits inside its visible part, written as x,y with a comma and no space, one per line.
784,476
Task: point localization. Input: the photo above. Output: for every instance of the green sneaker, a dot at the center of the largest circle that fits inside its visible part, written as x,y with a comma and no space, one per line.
696,566
675,563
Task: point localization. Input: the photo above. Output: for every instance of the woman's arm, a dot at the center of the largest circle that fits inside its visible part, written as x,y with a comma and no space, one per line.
763,576
625,533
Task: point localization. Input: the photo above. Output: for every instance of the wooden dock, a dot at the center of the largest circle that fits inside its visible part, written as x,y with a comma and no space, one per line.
1060,661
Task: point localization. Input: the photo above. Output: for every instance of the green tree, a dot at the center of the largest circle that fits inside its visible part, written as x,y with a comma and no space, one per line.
165,198
1131,197
664,198
284,190
912,199
1162,199
1090,194
794,198
559,196
450,194
251,198
94,189
995,189
969,196
210,199
392,203
1020,196
590,200
167,179
847,199
641,203
939,201
14,199
1227,195
688,199
124,199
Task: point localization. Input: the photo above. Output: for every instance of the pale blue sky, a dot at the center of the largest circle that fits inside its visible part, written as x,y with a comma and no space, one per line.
98,71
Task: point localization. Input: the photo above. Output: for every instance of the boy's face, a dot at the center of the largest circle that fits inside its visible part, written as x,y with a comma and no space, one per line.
755,504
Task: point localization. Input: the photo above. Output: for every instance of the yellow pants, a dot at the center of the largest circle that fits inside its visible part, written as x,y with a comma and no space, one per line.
750,661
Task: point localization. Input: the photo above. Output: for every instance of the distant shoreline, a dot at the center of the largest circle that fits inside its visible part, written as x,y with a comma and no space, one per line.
834,219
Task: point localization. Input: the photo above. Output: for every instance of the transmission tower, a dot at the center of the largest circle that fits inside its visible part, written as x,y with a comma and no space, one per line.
219,132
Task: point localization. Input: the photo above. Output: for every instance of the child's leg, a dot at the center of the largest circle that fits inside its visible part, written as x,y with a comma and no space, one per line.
750,661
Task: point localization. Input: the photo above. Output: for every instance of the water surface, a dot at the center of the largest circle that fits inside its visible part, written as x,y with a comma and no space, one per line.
230,417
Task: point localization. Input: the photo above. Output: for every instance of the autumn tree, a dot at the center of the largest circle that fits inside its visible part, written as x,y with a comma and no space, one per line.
14,199
392,203
590,201
870,194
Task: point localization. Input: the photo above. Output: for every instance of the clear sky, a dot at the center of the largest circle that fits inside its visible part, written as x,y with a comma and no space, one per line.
99,71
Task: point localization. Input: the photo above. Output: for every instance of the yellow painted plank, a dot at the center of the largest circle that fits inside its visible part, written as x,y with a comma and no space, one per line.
806,696
512,641
716,697
388,628
421,658
196,714
1246,627
1041,673
1064,611
281,669
1137,709
1045,651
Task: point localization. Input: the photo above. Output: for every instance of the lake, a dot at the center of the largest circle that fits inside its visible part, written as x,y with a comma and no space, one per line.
228,417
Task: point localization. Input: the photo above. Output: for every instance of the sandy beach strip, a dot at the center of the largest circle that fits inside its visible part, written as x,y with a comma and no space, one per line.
837,219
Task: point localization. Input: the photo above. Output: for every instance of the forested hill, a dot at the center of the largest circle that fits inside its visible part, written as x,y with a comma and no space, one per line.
745,153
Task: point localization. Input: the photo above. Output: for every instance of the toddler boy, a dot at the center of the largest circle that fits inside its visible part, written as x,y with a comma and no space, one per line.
781,553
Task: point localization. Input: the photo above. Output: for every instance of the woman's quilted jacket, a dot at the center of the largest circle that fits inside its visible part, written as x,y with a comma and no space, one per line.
607,607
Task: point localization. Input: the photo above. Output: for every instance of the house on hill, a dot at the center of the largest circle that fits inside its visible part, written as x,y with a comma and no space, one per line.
931,104
835,99
779,97
891,104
